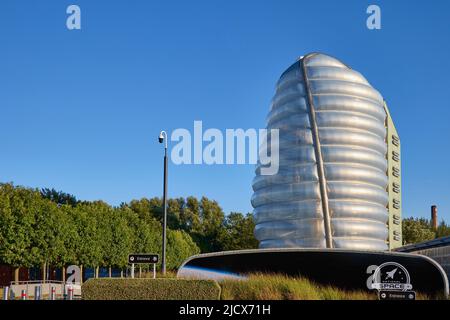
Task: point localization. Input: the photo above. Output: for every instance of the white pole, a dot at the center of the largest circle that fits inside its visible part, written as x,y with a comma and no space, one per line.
132,270
37,293
70,293
5,293
154,271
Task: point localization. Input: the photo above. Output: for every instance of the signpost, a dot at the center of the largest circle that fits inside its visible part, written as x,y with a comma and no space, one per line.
397,295
139,258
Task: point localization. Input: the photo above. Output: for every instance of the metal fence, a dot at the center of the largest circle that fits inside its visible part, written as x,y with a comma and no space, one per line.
38,290
440,254
437,249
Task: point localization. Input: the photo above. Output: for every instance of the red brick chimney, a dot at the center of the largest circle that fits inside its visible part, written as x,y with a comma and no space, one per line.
434,217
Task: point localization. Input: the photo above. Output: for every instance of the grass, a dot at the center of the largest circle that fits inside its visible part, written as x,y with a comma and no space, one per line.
280,287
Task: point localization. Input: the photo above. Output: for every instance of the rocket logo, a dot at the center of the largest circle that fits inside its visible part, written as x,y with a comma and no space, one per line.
391,276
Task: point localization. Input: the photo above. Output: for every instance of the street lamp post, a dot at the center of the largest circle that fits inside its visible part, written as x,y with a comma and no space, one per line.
163,138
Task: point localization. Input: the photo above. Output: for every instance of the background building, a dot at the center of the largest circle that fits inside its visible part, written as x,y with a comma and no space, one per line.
338,184
437,249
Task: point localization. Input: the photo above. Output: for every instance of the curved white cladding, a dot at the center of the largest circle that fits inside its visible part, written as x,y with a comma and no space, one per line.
330,190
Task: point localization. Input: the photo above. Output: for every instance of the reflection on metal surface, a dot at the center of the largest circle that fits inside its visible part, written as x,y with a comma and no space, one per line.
188,272
341,268
330,191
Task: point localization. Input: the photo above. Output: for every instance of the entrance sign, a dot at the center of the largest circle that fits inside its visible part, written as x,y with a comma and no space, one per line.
143,258
397,295
137,258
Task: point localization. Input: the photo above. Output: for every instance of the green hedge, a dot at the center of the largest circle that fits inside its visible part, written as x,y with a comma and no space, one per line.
149,289
256,287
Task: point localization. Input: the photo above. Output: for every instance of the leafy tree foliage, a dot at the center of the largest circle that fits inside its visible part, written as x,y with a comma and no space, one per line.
237,233
416,230
37,230
180,245
204,220
443,230
59,197
18,207
53,228
47,238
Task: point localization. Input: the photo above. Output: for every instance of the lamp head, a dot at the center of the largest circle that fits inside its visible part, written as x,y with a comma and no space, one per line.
161,137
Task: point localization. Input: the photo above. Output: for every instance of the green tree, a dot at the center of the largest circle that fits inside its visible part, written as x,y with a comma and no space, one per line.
416,230
59,197
190,215
89,249
206,224
48,236
17,213
151,209
237,232
174,212
122,240
148,232
180,246
72,239
443,230
49,227
143,208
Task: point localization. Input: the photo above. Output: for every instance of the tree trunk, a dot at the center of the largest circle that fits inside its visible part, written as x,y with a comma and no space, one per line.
121,273
63,274
44,272
16,274
96,272
110,271
81,274
140,271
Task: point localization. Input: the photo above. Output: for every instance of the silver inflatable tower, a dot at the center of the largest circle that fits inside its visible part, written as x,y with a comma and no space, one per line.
330,190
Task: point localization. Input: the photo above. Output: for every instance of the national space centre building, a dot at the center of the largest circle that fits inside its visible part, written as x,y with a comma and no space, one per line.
338,184
332,212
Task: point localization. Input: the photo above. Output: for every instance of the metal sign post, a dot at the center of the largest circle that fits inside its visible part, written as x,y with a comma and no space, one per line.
140,258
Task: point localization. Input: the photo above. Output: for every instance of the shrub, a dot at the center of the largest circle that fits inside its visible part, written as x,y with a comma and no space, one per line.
150,289
256,287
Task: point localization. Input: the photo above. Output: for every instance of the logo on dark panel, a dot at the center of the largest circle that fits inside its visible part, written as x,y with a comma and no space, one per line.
391,276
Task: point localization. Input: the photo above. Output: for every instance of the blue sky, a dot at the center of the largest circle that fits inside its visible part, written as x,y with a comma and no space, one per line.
80,111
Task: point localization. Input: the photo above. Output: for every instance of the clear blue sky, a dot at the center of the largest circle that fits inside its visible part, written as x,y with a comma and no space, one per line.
80,111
